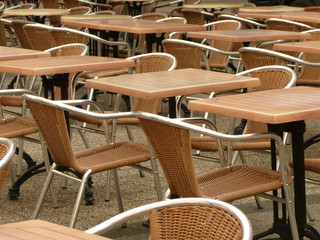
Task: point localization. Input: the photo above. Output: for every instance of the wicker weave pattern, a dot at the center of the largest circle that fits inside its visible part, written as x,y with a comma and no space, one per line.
18,29
252,60
172,147
193,16
309,75
63,37
16,127
187,56
194,222
3,172
39,38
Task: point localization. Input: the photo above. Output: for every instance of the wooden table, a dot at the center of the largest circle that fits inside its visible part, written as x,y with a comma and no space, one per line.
248,35
307,47
282,110
260,15
43,230
307,17
170,84
271,9
137,26
88,17
36,13
14,53
59,67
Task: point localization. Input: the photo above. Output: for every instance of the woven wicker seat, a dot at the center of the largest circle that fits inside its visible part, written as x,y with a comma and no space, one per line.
170,139
271,77
50,117
7,150
186,218
286,25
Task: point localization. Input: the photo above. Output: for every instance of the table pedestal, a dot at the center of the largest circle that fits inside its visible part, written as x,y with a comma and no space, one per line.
280,225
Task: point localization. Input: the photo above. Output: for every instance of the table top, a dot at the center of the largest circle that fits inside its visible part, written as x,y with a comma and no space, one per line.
173,83
306,46
214,5
248,35
260,15
64,64
138,26
273,106
312,17
276,8
42,230
36,12
86,17
13,53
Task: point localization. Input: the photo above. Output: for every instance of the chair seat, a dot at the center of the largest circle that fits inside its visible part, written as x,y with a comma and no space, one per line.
104,73
209,144
98,122
310,164
312,82
13,101
17,127
110,156
239,181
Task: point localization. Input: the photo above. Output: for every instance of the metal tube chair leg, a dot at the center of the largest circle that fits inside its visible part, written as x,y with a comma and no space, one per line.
117,188
76,208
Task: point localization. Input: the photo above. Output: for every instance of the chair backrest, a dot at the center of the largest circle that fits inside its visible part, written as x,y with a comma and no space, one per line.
193,16
187,54
216,59
53,128
3,35
81,10
7,149
50,3
187,218
180,20
315,34
20,34
286,25
151,16
38,36
151,62
71,3
271,77
79,49
246,23
104,12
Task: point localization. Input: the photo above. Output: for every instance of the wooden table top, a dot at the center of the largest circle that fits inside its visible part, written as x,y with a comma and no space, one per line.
64,64
306,46
138,26
173,83
214,5
273,106
13,53
36,12
86,17
247,35
260,15
276,8
312,17
42,230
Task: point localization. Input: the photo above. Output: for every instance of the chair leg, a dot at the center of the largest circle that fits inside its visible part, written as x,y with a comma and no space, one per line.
117,188
155,172
108,186
79,197
43,192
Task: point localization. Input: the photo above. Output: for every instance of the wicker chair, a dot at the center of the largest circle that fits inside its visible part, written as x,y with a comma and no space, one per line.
221,61
7,149
20,34
170,139
38,36
286,25
246,23
54,20
308,73
150,62
271,77
51,119
187,218
81,10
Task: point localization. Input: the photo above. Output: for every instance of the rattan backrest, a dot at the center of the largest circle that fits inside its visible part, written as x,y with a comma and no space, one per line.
187,56
7,150
172,147
271,77
105,12
20,34
151,16
53,128
38,36
309,72
216,59
50,3
3,38
145,63
69,50
81,10
252,59
63,36
195,222
246,23
286,25
71,3
193,16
